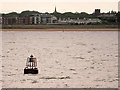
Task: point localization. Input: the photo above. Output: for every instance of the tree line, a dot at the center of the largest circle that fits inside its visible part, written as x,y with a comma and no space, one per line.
65,15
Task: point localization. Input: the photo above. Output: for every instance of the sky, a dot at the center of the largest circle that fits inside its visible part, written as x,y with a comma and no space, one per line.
62,5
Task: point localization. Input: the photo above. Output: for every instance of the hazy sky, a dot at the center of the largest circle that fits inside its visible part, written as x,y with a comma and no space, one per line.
61,5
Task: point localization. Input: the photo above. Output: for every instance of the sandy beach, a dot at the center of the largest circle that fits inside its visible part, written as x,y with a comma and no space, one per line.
65,59
79,29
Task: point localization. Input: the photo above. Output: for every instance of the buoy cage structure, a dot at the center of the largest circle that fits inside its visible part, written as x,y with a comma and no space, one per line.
31,66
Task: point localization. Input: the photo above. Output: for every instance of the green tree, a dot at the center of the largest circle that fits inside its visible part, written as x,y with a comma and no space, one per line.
12,14
25,13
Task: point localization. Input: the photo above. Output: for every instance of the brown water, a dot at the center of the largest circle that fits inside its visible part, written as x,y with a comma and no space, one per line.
65,59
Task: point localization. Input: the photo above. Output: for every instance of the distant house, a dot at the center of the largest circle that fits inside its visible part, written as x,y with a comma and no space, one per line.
46,18
93,21
42,19
4,20
80,21
20,20
34,19
107,15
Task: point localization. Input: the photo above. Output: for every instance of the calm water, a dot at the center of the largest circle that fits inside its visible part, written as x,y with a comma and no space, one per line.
83,56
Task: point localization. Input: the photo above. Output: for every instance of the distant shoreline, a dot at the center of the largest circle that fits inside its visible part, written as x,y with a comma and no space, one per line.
84,29
59,27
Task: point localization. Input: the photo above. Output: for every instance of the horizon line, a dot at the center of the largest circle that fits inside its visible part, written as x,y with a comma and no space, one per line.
58,11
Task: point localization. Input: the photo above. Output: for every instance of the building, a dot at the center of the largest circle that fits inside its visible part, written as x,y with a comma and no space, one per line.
84,21
20,20
30,19
97,12
54,19
10,20
108,17
93,21
34,19
4,20
47,18
118,17
55,10
42,19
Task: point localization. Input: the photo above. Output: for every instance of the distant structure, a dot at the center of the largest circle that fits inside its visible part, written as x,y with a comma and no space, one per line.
97,12
107,17
85,21
55,10
30,19
119,6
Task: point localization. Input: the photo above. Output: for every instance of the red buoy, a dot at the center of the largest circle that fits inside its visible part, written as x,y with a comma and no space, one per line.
31,66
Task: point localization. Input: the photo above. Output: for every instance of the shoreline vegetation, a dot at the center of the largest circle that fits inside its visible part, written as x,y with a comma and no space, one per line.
59,28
